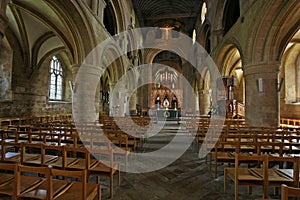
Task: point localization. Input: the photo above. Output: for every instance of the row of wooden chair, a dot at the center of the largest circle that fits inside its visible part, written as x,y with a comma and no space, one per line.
288,122
98,161
226,145
260,174
14,121
74,139
29,182
133,129
224,152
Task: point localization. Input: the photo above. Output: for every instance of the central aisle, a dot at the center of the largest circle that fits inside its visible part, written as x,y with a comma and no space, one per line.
188,178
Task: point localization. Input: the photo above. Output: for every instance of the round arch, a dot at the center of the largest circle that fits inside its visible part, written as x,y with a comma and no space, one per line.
278,24
204,36
231,61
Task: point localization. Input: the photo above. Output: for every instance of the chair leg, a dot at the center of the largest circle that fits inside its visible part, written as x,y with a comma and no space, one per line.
111,184
119,177
209,162
99,192
249,189
276,191
225,174
216,168
236,191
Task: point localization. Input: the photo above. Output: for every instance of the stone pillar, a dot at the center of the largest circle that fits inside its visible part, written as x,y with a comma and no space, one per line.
121,100
132,102
262,97
85,96
98,7
116,100
3,18
204,102
216,37
197,103
112,100
298,81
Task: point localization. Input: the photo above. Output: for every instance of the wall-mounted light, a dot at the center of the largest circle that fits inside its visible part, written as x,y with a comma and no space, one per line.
260,87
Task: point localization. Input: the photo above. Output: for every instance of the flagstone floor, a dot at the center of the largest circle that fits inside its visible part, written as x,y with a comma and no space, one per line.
188,178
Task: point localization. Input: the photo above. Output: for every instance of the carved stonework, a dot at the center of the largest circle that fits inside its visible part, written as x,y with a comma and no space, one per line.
3,18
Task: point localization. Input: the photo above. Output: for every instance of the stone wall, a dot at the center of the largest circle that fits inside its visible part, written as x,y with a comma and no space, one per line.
28,89
27,107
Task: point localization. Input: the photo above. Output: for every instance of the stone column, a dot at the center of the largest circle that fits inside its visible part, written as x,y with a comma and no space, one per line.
216,37
262,97
112,100
298,81
3,18
197,103
132,102
86,96
117,99
204,102
98,7
121,100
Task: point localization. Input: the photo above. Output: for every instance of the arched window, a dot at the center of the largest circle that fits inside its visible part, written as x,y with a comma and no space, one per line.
203,12
56,80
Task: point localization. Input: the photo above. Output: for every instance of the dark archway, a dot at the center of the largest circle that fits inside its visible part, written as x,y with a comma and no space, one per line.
231,14
110,21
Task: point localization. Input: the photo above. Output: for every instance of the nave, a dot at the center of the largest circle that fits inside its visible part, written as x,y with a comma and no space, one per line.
261,158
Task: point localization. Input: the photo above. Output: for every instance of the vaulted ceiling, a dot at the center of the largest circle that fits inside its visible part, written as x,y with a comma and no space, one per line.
36,27
180,14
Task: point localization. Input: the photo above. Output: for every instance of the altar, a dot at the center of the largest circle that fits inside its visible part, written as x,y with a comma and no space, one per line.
167,113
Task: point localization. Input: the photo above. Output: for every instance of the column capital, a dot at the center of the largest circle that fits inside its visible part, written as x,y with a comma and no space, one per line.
261,68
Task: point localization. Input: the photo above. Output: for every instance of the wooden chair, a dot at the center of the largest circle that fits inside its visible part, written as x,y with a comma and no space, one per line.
77,159
279,176
58,151
247,176
271,148
8,180
39,179
45,186
223,152
102,163
288,191
34,154
121,150
9,135
75,189
11,151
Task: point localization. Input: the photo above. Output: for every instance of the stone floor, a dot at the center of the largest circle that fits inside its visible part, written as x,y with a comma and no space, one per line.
187,178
